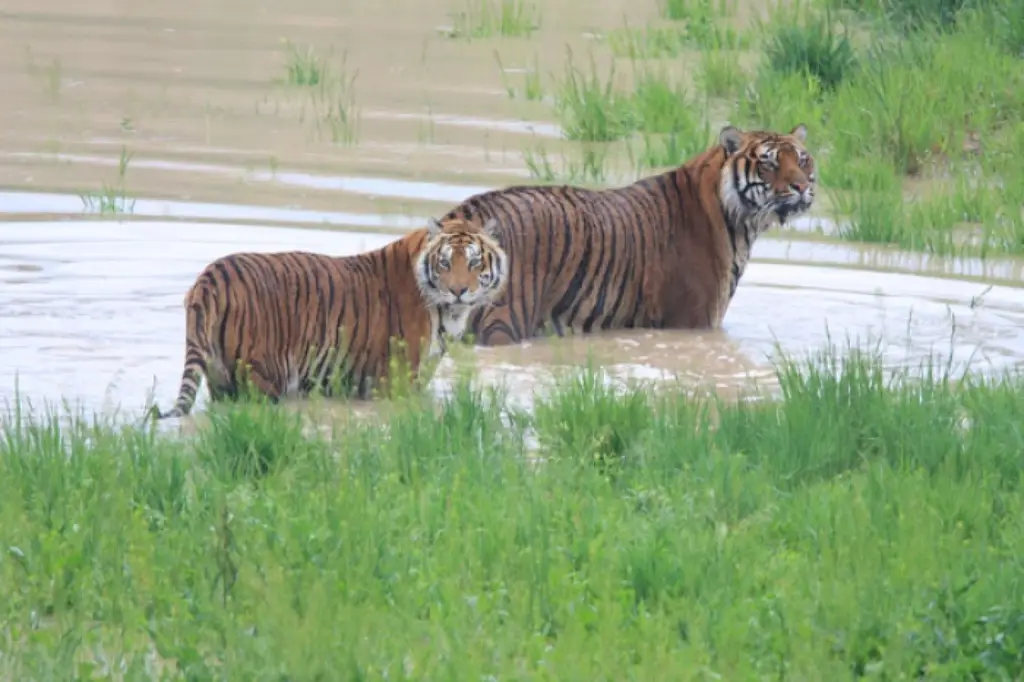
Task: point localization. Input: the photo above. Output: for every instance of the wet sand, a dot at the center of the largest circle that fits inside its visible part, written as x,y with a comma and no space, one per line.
219,148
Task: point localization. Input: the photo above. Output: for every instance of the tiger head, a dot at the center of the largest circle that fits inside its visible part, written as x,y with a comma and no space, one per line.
766,174
462,264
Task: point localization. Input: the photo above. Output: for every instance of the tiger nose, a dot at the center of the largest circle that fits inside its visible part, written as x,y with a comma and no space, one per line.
459,293
799,187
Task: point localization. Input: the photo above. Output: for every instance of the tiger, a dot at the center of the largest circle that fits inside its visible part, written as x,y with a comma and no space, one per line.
665,252
298,321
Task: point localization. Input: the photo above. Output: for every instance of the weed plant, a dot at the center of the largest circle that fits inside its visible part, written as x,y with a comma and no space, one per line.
856,525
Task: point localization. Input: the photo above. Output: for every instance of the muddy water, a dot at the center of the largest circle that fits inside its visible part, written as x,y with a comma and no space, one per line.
92,312
179,112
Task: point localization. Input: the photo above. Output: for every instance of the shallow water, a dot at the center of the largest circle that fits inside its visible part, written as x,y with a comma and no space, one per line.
222,156
92,312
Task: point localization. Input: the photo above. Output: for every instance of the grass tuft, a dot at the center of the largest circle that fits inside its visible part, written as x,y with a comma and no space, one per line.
814,49
304,67
490,18
111,199
590,106
331,93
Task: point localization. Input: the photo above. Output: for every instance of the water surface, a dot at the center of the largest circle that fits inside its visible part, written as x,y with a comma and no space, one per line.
92,312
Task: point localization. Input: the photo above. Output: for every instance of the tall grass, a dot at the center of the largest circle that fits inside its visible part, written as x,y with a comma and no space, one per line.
815,49
595,108
939,104
857,525
591,106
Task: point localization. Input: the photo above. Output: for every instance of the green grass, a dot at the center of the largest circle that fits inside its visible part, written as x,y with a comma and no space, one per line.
895,94
662,123
531,90
815,49
586,165
651,42
720,75
490,18
304,67
329,89
594,108
938,103
655,42
112,199
857,527
591,106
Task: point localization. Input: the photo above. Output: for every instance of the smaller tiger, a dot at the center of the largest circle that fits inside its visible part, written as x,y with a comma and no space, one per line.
299,321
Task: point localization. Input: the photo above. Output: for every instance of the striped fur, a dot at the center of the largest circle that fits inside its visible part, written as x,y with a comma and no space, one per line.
667,251
292,319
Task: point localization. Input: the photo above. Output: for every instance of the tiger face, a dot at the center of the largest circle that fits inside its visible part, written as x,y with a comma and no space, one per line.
462,264
767,174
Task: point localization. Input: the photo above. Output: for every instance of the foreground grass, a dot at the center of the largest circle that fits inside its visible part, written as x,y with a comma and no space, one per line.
854,528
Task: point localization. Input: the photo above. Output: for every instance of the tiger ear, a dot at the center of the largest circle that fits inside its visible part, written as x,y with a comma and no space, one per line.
433,227
490,227
731,138
800,132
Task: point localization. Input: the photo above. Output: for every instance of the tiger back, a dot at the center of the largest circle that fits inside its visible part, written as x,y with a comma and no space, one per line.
667,251
292,323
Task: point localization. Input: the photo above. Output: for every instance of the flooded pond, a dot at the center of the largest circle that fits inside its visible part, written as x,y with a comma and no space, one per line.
181,114
92,313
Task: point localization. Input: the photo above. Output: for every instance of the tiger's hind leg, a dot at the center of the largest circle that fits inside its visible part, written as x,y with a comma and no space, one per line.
220,383
252,380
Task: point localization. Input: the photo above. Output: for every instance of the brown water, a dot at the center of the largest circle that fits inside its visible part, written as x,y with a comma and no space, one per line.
92,312
225,157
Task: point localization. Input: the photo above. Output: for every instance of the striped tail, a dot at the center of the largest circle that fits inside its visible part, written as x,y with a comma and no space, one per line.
200,306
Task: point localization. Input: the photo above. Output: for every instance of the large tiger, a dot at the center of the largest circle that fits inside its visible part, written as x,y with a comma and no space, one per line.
299,321
665,252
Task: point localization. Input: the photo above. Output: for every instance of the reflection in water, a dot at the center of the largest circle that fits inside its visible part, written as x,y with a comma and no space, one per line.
92,312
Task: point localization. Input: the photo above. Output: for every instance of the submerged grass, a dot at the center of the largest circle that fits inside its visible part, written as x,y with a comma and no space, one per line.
111,199
856,525
304,67
490,18
585,166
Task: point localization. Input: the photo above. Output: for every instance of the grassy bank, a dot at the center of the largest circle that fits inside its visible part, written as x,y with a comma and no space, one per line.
854,528
914,108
